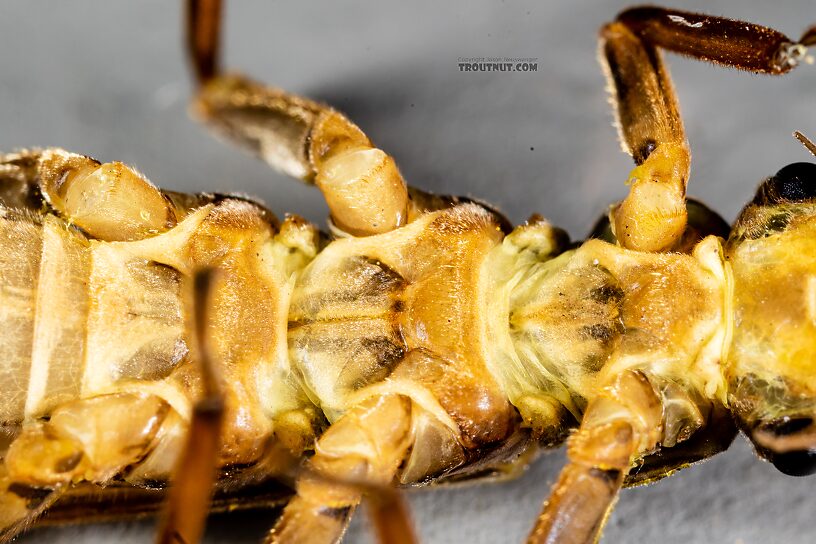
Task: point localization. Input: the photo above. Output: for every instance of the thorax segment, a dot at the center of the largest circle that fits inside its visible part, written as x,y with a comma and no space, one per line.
562,325
402,312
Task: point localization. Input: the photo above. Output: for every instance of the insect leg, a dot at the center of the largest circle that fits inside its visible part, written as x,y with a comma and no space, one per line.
702,222
109,201
203,37
189,498
622,423
365,447
653,216
389,514
364,190
21,505
94,439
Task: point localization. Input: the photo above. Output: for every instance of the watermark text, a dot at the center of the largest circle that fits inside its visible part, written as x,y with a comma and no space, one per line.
498,64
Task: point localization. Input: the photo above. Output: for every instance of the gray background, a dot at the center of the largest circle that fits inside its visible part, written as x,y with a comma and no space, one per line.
108,79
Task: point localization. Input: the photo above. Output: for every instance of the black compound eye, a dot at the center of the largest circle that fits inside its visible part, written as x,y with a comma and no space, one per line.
794,183
795,463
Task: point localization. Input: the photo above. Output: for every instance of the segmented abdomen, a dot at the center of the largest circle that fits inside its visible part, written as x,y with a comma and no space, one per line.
92,315
21,239
78,316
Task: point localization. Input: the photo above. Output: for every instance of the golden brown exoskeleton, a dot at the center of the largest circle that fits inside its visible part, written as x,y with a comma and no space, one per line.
154,338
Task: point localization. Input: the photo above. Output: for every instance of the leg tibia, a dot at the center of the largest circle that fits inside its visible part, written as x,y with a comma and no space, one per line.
736,44
619,425
585,496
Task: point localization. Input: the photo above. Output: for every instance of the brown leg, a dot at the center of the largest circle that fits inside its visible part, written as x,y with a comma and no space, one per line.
359,453
805,141
203,38
618,426
390,517
188,501
653,216
361,183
